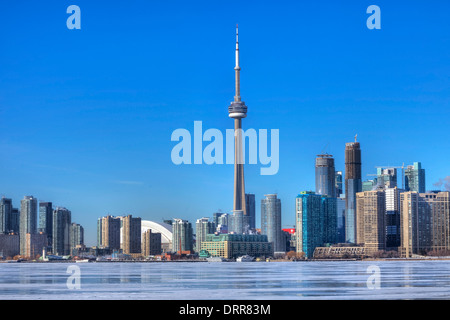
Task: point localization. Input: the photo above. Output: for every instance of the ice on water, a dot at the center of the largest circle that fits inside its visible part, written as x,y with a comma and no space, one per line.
231,281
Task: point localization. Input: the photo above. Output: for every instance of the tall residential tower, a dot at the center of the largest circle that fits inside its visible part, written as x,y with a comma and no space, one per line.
325,175
353,185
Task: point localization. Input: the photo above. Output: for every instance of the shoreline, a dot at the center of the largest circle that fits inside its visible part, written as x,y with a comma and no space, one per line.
196,261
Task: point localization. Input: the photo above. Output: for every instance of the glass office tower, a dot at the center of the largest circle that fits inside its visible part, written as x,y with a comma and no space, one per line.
415,178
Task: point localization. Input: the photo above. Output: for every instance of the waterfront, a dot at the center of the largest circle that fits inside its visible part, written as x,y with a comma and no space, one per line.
234,281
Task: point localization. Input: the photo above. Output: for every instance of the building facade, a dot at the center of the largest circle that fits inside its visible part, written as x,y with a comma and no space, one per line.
46,220
325,175
76,235
393,237
5,215
316,222
415,178
151,243
338,184
231,246
415,223
271,222
183,240
387,177
131,235
28,220
108,232
15,220
34,244
250,210
440,220
9,245
353,185
62,220
203,228
370,219
340,216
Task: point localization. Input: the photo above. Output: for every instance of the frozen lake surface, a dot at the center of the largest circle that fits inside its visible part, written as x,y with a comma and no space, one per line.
228,280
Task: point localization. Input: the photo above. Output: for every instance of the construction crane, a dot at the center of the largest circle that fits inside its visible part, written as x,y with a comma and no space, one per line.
325,148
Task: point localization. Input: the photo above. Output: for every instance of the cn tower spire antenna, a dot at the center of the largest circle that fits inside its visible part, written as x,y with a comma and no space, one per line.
237,68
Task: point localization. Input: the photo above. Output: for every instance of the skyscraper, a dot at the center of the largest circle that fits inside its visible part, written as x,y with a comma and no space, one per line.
308,221
387,177
271,222
62,219
108,232
338,183
203,227
216,216
340,208
28,220
370,219
76,235
151,243
441,221
250,210
330,220
15,220
393,237
325,175
223,223
131,234
415,178
236,222
5,215
238,110
46,220
415,223
353,185
182,237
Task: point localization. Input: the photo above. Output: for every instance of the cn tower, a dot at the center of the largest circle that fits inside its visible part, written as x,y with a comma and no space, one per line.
238,110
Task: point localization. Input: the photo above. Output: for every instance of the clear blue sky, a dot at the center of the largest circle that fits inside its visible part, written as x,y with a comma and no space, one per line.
86,115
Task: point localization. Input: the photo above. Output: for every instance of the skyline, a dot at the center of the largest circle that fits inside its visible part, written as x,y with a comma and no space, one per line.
86,115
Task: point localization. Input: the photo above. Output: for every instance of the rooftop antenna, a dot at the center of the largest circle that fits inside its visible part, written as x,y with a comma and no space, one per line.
356,135
237,68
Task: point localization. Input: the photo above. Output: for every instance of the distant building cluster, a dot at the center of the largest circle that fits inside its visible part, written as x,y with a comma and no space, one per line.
372,218
344,217
23,234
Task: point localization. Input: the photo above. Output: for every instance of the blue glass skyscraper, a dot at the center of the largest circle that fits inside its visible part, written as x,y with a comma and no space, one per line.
415,178
316,222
